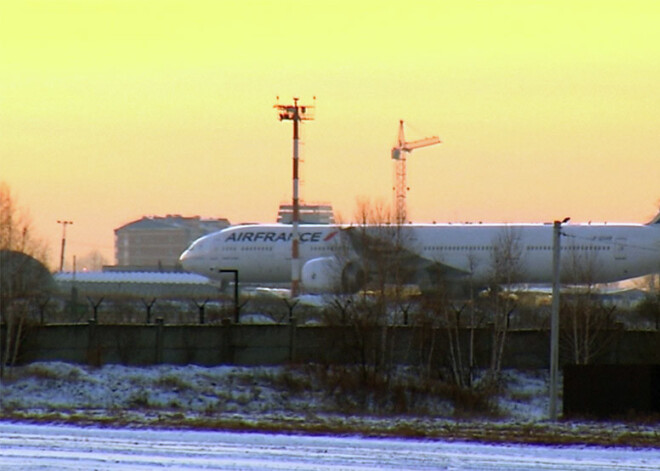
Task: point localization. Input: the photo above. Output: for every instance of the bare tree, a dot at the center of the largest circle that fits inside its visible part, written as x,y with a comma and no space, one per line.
23,279
377,245
587,322
15,228
506,269
451,305
369,258
460,311
649,309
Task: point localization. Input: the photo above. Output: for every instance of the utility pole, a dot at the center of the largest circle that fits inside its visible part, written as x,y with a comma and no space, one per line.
295,113
554,319
64,224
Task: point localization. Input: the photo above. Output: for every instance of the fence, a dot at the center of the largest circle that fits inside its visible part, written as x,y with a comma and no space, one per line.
243,344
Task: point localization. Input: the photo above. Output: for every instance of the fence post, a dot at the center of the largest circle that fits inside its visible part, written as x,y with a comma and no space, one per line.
159,340
93,347
226,343
292,339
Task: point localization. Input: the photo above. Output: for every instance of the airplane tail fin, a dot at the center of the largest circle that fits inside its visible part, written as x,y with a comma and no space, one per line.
655,220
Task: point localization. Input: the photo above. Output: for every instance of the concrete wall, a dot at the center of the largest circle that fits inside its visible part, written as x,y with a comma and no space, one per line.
149,344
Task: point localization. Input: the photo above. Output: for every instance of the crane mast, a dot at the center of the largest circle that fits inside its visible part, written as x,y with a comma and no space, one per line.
399,152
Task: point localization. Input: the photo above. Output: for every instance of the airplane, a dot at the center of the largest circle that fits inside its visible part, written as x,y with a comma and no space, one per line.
337,258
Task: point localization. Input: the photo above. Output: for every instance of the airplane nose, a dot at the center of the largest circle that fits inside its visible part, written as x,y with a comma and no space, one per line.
193,259
187,261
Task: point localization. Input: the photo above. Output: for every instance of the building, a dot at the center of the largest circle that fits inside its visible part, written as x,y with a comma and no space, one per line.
309,214
155,242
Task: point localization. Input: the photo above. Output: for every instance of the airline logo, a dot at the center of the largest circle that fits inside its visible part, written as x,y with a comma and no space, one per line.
277,236
330,236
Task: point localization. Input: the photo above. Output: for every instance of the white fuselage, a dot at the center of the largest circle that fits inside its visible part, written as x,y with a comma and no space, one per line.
261,253
590,253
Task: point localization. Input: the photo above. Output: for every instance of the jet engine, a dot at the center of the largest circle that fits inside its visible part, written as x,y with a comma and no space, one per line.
329,275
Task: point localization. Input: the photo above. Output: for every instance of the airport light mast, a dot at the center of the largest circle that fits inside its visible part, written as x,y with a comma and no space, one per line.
399,152
295,113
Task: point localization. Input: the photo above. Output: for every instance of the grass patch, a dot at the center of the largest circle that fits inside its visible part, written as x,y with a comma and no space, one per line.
291,381
173,382
139,400
46,372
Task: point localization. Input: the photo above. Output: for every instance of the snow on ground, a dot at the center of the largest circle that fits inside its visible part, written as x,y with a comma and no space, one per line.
57,447
63,387
277,399
56,416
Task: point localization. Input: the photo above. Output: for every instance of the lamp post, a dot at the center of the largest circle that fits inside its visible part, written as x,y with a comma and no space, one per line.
554,319
64,224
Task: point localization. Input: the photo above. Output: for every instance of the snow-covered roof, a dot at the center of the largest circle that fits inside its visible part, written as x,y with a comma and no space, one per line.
130,277
170,285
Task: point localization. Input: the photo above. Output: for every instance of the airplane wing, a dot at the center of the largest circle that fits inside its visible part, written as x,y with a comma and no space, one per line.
382,248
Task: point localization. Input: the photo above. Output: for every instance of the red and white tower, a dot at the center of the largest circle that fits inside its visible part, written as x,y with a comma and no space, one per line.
295,113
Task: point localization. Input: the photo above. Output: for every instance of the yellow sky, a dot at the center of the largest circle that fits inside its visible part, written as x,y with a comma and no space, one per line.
115,109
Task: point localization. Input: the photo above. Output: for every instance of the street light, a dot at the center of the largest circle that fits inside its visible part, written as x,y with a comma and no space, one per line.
64,224
554,318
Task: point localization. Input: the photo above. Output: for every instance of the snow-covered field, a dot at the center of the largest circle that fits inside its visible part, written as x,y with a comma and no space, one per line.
115,391
138,409
56,388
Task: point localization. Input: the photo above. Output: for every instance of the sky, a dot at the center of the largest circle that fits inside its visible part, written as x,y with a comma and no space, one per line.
111,110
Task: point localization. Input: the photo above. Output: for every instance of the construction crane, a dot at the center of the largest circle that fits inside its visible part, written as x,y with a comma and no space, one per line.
399,156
